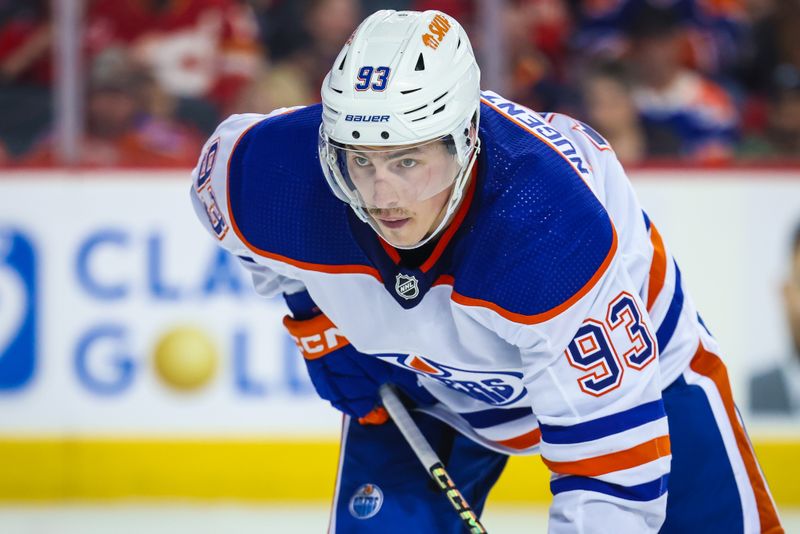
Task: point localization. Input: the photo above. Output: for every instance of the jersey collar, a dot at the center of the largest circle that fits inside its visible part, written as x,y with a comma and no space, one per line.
448,233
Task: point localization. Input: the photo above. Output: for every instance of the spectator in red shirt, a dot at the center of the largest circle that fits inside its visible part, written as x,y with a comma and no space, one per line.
200,51
119,130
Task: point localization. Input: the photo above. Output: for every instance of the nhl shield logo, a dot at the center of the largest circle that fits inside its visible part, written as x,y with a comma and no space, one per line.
366,501
407,286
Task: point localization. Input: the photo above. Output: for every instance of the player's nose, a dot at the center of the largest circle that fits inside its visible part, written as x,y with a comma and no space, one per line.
385,195
386,192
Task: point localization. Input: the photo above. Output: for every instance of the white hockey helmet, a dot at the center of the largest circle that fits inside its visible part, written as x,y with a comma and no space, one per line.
403,78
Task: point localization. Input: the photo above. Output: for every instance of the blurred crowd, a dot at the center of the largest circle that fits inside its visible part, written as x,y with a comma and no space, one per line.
703,81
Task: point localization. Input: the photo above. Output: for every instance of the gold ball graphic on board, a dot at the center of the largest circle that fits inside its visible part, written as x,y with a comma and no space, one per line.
185,358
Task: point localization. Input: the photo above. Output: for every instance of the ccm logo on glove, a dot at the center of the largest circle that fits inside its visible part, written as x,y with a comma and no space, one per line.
315,337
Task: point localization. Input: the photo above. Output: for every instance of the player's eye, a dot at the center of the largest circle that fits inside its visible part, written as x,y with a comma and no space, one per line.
361,161
408,163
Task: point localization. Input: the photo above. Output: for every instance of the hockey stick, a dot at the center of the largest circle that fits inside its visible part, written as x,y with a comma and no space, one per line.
428,457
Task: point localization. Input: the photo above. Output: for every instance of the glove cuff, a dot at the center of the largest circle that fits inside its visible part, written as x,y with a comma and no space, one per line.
315,337
378,416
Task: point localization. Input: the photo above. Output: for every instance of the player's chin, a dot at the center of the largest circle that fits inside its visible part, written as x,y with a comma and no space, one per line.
404,235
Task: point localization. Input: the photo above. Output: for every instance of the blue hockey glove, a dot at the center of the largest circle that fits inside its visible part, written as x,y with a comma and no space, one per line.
346,378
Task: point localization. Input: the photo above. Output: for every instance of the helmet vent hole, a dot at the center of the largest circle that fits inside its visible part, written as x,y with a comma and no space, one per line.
415,109
458,44
355,134
341,65
336,90
438,110
441,96
420,63
384,135
409,91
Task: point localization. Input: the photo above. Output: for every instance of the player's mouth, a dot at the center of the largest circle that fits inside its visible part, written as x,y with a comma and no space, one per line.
394,224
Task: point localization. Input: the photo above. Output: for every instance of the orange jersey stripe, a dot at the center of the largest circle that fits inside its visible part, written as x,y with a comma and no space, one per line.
390,250
444,280
544,316
524,441
658,267
454,224
615,461
553,312
710,366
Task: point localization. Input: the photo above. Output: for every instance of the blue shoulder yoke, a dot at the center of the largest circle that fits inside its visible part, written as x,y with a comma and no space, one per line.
278,195
536,234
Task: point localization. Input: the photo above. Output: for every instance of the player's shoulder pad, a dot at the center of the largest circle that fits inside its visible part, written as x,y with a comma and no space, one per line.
266,195
539,239
209,189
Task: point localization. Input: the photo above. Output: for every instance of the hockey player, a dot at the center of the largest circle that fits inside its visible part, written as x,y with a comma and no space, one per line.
495,264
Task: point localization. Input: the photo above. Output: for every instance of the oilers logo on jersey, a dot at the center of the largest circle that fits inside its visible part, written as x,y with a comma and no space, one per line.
497,388
366,501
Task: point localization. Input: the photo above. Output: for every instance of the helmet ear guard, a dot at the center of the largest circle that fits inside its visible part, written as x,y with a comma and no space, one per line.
466,138
387,89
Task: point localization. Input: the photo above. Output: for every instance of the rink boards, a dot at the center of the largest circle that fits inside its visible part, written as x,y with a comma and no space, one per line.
101,266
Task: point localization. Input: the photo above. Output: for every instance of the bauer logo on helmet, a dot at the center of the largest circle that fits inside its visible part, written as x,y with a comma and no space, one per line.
366,118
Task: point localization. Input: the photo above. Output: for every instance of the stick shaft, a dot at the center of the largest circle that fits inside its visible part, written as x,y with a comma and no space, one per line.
408,427
429,459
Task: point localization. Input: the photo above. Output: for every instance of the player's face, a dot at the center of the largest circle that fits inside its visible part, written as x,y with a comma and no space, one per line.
405,190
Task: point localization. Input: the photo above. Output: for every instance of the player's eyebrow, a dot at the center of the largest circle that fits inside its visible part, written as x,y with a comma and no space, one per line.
388,155
402,153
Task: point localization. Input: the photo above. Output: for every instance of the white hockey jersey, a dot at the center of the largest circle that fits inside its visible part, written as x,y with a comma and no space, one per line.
547,319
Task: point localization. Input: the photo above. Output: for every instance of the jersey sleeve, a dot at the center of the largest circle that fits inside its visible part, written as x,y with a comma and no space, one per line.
209,197
604,432
616,193
593,379
590,367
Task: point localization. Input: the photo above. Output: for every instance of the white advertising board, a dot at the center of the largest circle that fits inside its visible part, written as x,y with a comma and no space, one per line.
96,267
110,265
731,232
